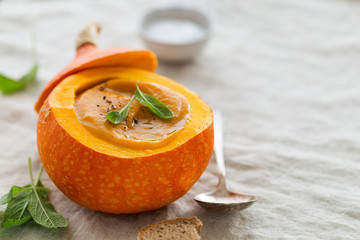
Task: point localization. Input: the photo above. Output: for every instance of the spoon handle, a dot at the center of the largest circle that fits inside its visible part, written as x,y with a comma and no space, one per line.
218,144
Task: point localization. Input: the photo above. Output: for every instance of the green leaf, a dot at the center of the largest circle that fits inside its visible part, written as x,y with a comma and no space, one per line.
8,85
153,104
43,212
30,201
42,190
16,212
7,197
117,117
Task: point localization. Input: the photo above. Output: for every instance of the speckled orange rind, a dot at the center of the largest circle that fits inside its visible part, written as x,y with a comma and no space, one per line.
103,177
89,56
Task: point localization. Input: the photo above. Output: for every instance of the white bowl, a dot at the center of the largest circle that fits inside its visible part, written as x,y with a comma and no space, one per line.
175,34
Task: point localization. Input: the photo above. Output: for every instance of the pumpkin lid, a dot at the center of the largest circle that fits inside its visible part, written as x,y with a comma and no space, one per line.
89,56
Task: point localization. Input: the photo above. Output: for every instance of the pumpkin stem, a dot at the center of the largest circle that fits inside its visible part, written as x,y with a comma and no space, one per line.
88,35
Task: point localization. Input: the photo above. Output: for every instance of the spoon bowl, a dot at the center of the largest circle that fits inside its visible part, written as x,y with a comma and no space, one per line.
222,198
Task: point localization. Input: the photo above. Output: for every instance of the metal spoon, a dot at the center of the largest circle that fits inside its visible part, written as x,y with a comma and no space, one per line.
222,198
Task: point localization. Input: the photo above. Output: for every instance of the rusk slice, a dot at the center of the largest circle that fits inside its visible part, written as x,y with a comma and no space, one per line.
174,229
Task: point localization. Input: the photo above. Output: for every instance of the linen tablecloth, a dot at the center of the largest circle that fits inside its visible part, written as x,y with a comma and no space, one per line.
285,72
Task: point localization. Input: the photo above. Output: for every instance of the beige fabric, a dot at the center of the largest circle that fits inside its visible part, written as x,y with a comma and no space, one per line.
287,75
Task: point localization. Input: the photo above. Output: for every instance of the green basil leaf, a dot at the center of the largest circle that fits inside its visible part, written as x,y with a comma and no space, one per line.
30,201
153,104
42,190
16,211
8,85
117,117
7,197
43,212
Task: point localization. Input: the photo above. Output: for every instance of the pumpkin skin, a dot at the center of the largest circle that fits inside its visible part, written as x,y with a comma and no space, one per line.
115,179
89,56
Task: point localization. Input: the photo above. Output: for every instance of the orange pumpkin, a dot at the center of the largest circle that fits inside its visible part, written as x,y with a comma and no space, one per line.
119,177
